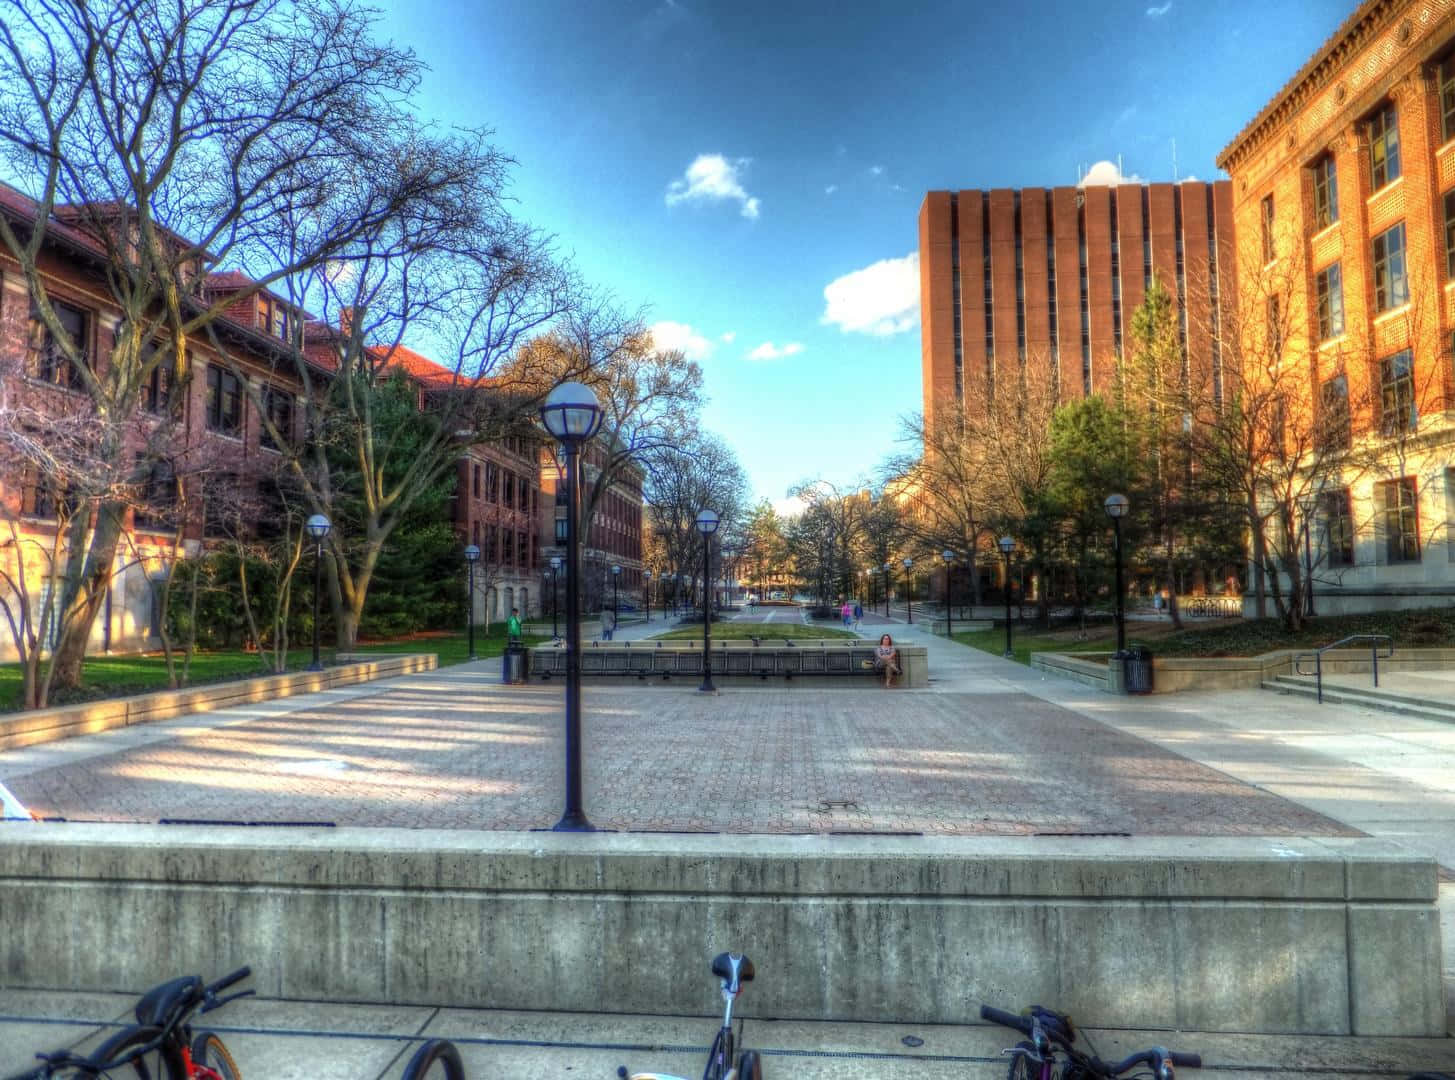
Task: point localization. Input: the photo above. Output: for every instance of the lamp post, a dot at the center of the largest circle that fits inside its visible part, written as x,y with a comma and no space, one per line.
472,555
908,589
615,596
886,569
707,522
1308,504
949,557
318,527
555,588
647,593
1116,509
1007,545
572,415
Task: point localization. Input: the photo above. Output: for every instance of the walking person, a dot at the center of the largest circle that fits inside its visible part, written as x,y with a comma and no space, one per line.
847,614
886,659
608,624
858,615
512,627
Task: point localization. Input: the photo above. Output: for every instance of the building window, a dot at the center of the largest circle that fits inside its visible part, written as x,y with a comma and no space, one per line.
279,327
156,391
1384,146
522,551
278,407
47,360
1338,508
158,495
1275,327
508,539
1397,409
1326,192
509,498
1391,284
476,471
43,496
491,543
492,482
1447,98
224,401
1330,288
1450,235
1265,216
1401,520
1334,428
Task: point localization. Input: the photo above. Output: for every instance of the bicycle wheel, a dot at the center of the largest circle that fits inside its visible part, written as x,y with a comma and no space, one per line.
750,1066
208,1051
435,1060
160,1063
1022,1067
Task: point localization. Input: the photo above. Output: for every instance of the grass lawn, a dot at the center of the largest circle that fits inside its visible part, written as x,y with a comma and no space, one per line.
119,676
1231,637
727,631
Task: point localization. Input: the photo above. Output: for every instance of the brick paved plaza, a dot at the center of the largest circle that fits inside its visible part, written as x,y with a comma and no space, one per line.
454,749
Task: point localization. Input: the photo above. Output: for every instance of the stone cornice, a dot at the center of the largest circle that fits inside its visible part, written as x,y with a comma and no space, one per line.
1358,31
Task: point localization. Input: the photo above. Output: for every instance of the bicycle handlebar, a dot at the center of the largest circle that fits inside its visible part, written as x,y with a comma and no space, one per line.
227,980
1154,1057
1005,1019
1055,1028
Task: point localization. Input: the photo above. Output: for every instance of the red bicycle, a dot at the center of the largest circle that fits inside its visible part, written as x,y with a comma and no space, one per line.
162,1045
1050,1051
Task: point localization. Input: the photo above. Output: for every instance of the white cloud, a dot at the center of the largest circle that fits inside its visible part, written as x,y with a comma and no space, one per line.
831,189
713,178
1107,174
728,337
790,506
1158,12
667,336
881,299
1189,179
877,170
769,351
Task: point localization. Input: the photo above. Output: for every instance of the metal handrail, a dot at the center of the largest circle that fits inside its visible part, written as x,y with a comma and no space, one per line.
1375,640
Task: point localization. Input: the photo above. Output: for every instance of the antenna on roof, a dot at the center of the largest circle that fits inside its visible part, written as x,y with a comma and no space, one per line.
1119,167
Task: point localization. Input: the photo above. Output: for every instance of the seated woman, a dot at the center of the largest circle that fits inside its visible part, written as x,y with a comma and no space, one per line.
886,659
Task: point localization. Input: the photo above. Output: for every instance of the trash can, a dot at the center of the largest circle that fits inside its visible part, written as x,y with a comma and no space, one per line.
1137,670
516,663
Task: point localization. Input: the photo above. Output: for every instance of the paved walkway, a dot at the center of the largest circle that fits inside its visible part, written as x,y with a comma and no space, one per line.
985,748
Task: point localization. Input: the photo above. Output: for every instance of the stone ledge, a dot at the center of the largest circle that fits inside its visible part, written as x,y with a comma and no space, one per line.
1244,934
1173,673
65,721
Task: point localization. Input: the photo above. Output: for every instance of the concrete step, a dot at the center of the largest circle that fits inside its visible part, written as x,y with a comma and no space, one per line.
1368,697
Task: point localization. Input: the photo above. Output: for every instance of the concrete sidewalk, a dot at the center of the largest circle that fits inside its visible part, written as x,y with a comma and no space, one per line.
290,1040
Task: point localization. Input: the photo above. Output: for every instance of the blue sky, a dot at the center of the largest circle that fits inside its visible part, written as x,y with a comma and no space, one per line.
723,164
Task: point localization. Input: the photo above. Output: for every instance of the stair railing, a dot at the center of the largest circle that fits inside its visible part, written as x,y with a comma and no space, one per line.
1375,643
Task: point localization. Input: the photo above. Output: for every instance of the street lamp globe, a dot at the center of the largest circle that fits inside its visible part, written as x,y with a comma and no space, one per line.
908,562
1006,545
571,412
1117,506
472,553
707,522
948,555
616,571
555,563
319,526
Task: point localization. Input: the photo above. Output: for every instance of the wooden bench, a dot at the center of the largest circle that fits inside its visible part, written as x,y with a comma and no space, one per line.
664,659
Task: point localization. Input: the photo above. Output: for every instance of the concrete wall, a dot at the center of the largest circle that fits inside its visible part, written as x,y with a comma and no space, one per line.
64,721
1171,674
1231,934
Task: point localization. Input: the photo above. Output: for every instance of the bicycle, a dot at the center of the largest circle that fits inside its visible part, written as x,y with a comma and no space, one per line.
164,1027
436,1058
1050,1051
733,969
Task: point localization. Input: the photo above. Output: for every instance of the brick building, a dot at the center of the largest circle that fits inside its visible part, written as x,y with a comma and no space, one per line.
615,536
1049,278
499,503
1343,192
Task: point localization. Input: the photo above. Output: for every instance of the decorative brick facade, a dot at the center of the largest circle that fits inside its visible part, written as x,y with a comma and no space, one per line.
1340,186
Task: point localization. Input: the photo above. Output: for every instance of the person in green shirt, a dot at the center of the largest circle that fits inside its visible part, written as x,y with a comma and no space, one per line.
512,627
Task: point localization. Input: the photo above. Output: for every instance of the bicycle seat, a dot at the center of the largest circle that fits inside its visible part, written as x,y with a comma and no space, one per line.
158,1003
733,969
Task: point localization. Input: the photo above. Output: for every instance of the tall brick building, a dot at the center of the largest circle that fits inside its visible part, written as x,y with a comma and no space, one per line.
1050,277
1343,192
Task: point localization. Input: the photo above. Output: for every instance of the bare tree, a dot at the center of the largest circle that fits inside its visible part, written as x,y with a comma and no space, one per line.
699,472
172,136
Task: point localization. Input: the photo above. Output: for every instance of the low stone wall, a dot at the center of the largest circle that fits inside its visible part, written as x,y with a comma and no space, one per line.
64,721
1173,673
819,663
1244,934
